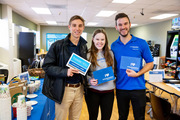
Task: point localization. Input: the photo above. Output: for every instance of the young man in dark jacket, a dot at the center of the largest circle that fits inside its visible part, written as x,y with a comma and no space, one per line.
63,84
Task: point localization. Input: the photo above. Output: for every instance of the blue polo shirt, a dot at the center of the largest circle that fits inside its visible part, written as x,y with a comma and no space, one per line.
137,48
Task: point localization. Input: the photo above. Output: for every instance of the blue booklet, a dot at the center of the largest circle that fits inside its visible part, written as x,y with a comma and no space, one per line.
104,75
132,63
24,76
77,62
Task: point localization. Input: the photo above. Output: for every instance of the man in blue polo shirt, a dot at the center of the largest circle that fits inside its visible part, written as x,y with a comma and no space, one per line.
130,84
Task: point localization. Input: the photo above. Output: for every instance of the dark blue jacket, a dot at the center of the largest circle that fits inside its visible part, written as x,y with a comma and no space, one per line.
56,70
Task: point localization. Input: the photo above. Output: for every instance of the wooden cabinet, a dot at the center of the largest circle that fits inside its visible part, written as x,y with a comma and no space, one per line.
172,60
27,46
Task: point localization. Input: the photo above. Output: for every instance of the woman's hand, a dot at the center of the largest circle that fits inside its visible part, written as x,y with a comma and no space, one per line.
93,82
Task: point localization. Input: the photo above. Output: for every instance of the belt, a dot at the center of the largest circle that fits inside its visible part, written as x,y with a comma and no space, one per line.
73,85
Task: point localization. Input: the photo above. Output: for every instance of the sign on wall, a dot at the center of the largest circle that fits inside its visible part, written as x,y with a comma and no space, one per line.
52,37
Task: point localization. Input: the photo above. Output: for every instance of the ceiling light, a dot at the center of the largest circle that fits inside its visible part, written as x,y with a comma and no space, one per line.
42,10
51,22
91,23
163,16
132,25
105,13
123,1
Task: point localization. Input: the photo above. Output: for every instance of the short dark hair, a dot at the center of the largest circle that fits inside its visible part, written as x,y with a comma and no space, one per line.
121,15
76,17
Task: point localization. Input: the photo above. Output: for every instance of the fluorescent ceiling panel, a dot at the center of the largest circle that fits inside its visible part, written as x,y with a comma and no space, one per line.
123,1
91,23
132,25
41,10
51,22
163,16
105,13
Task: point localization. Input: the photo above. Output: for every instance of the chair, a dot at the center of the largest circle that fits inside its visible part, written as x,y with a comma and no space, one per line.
24,68
161,108
5,72
148,102
30,60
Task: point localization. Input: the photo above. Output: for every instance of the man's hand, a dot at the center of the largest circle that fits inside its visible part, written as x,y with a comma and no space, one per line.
71,72
131,73
93,82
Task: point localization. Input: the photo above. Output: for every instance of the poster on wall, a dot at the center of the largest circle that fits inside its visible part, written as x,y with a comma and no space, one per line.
52,37
176,23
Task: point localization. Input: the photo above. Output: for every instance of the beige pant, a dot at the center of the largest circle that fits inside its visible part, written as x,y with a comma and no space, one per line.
71,103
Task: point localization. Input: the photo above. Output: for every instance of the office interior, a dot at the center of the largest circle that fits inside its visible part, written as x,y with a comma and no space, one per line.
11,23
14,22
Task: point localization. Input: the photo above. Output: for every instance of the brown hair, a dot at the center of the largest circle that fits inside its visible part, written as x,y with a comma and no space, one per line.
93,50
121,15
75,17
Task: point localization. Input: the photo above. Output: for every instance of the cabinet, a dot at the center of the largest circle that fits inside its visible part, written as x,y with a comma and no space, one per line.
172,60
27,46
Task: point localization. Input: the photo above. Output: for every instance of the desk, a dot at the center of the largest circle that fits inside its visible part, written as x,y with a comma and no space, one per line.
44,110
163,87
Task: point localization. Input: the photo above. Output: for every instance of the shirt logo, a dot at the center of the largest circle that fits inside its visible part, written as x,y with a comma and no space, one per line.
134,47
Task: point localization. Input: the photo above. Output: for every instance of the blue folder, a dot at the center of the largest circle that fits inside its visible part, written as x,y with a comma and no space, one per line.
104,75
132,63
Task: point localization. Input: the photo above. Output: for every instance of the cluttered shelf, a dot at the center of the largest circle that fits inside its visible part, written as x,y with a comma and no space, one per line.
172,59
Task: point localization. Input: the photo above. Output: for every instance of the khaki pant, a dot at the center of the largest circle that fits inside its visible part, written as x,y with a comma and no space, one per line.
71,103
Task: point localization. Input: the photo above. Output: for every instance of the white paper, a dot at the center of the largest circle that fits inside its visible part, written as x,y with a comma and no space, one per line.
22,113
176,86
77,62
5,108
155,76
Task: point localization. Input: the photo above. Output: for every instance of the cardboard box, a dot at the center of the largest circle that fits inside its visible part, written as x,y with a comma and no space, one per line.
16,88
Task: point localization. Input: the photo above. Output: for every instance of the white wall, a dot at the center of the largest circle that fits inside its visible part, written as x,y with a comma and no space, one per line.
6,40
112,34
156,32
9,39
4,43
17,29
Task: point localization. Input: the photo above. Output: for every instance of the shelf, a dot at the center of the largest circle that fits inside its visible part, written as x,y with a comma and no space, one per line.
173,50
171,67
168,58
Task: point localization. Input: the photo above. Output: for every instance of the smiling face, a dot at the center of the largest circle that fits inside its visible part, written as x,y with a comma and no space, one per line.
99,41
123,26
76,28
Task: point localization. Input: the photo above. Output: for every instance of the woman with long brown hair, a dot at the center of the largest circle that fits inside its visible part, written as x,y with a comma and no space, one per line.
100,95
